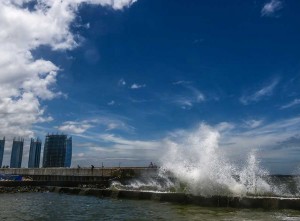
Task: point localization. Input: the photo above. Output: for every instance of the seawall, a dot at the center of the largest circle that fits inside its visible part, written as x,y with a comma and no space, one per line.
80,174
181,198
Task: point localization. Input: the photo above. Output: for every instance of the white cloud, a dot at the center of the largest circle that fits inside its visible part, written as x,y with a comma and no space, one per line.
185,103
261,93
118,149
24,79
264,136
118,125
276,140
200,97
79,128
121,82
270,8
128,144
224,126
189,97
194,96
80,154
291,104
120,4
137,86
17,115
113,123
111,103
74,127
181,82
253,123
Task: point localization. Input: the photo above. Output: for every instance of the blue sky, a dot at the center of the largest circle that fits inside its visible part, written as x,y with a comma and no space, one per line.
121,77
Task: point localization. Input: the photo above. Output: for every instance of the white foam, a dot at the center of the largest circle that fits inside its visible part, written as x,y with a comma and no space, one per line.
199,167
196,160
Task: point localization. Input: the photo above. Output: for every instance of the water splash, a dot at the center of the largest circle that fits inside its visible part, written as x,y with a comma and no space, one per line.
193,163
296,180
196,160
157,184
253,178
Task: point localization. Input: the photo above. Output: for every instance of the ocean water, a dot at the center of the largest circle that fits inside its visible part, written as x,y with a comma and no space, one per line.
54,206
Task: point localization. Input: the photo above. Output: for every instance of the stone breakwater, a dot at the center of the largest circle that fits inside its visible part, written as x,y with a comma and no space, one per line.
181,198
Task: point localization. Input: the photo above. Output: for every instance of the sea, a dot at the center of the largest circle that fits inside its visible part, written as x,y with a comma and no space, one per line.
55,207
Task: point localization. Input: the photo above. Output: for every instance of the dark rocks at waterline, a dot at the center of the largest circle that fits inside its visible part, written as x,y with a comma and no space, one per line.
23,189
214,201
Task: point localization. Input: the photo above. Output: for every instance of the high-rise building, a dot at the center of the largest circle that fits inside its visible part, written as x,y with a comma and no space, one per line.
34,153
68,158
2,143
16,153
57,151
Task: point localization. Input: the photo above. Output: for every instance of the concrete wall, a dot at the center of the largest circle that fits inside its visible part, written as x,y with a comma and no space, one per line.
96,172
214,201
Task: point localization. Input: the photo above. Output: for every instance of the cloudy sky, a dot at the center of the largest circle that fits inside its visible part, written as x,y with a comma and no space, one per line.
123,76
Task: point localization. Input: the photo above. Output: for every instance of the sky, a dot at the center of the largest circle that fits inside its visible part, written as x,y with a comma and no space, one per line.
122,77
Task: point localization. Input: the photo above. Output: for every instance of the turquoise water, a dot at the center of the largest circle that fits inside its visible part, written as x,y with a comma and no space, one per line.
53,206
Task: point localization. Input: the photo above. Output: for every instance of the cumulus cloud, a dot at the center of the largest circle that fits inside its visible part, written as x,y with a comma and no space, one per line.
17,115
270,8
24,79
137,86
261,93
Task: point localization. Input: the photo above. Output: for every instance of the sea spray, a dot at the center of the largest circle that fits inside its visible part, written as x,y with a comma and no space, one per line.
154,184
193,159
194,163
253,178
196,159
296,180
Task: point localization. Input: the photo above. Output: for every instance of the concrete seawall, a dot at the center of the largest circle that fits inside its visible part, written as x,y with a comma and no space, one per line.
67,178
80,174
214,201
99,184
106,171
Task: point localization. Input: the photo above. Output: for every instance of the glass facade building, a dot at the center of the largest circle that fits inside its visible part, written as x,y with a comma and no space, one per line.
68,158
57,151
34,153
16,153
2,143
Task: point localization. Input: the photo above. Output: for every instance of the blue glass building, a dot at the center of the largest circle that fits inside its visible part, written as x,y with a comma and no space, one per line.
16,153
34,153
68,158
57,151
2,143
